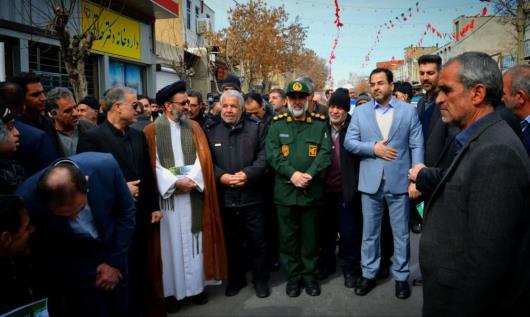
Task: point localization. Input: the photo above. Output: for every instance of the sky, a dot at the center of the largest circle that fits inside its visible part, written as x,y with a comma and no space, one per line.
361,19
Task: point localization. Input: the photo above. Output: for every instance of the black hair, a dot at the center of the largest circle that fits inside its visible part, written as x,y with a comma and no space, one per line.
26,78
254,96
10,213
61,194
140,97
13,94
388,73
279,91
195,93
430,59
404,87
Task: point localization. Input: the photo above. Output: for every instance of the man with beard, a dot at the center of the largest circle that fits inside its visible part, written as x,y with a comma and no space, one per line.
517,98
299,150
386,134
277,100
188,245
194,109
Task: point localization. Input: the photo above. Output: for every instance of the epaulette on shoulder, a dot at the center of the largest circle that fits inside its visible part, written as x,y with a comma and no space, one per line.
281,116
318,116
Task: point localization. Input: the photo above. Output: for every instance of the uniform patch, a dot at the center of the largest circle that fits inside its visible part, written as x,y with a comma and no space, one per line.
297,87
313,150
285,150
284,135
217,144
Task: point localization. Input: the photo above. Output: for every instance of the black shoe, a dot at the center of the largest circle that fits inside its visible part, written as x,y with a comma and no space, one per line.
350,280
416,227
417,282
292,289
312,288
364,286
402,289
199,299
262,289
383,273
324,273
172,305
233,288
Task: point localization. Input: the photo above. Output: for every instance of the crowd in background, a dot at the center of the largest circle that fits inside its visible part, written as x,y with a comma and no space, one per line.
130,205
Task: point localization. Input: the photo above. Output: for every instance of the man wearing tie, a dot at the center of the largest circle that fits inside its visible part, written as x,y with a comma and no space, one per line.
386,134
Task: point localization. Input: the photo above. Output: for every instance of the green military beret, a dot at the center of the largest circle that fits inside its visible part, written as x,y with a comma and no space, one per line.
297,86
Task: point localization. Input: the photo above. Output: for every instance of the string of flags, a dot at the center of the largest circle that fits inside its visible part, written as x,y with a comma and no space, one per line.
430,29
339,25
390,24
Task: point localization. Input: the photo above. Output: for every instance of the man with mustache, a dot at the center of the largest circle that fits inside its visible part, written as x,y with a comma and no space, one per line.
298,148
188,244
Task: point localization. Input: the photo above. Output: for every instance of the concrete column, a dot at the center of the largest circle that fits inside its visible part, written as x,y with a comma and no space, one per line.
104,76
2,62
24,55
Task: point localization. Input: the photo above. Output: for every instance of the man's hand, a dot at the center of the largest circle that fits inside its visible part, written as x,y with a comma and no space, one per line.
413,192
107,277
185,185
134,189
156,216
300,179
242,179
382,150
413,172
238,179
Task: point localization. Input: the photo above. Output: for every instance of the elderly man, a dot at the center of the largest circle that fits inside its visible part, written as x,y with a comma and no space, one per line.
190,242
386,134
88,108
237,143
84,220
475,246
68,124
343,201
299,150
517,98
129,148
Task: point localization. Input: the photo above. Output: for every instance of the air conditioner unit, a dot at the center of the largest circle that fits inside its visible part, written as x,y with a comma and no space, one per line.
203,25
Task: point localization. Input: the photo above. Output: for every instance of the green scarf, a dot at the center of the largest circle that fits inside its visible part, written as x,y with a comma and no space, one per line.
165,155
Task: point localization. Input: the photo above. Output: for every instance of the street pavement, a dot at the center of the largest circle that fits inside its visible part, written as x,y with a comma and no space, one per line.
335,300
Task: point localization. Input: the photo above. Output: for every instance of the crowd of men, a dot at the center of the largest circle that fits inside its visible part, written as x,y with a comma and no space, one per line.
130,206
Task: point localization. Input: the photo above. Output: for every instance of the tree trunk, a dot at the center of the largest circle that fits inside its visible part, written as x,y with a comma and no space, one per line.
520,25
77,78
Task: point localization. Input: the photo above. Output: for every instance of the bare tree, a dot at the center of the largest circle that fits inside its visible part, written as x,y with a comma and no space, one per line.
516,13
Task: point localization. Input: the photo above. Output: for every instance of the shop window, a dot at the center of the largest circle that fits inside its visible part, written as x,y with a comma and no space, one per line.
125,74
188,14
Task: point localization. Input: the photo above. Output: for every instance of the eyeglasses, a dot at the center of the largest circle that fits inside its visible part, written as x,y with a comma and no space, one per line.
182,103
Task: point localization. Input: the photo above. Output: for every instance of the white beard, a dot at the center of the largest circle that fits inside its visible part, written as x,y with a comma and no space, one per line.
298,112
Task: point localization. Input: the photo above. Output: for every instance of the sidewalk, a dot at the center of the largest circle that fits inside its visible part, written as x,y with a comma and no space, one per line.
335,300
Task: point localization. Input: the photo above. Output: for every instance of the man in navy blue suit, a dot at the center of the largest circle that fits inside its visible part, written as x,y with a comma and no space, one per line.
84,217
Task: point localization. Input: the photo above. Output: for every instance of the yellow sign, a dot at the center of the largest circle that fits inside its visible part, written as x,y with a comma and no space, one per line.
285,150
313,150
297,87
117,35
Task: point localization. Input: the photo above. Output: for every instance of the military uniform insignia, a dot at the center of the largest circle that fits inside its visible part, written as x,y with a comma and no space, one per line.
285,150
297,87
308,119
289,119
313,150
275,118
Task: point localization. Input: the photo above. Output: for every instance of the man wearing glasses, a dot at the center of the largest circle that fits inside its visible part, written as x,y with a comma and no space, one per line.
188,245
129,148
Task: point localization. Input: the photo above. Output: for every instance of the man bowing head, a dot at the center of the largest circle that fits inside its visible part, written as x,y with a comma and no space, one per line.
188,244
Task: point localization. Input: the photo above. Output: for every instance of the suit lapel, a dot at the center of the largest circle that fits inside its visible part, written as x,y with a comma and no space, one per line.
396,120
483,127
372,121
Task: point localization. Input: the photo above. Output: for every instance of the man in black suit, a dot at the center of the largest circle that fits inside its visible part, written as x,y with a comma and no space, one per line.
517,98
475,247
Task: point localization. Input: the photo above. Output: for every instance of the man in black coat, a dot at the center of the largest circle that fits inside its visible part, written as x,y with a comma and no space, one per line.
129,148
237,143
342,212
475,247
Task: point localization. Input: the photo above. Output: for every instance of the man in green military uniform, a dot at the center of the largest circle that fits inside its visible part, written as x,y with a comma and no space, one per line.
299,150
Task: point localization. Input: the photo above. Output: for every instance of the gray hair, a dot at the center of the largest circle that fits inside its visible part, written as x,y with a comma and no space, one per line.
116,95
56,94
480,68
234,93
520,75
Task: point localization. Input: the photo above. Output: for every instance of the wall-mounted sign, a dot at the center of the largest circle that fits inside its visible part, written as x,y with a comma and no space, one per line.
117,35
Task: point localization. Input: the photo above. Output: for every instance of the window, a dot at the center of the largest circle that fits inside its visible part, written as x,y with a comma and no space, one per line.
124,74
188,14
196,13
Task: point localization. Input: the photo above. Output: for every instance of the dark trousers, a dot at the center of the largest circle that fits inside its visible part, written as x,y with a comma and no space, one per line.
387,240
339,217
298,227
244,230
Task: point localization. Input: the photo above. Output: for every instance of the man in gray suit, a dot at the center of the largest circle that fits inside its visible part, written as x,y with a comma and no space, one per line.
475,246
386,134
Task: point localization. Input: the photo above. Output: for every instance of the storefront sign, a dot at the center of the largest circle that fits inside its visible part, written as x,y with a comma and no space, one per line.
118,35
